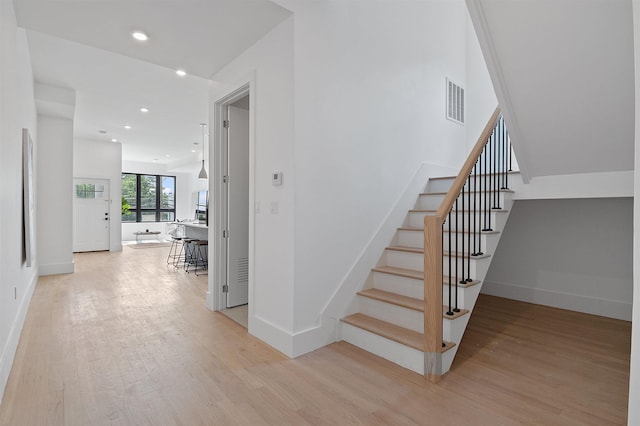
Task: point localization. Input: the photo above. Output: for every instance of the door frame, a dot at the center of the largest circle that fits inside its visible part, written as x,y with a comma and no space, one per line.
216,299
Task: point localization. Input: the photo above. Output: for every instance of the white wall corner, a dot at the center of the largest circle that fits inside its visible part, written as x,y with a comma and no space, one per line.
272,335
55,101
573,302
483,32
328,330
57,268
9,351
634,374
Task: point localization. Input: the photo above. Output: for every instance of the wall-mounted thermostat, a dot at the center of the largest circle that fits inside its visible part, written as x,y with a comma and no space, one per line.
276,178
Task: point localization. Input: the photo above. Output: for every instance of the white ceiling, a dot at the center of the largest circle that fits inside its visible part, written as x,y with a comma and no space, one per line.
87,46
564,74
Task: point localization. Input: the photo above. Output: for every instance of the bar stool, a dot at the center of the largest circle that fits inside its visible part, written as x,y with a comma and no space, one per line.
201,256
188,250
174,257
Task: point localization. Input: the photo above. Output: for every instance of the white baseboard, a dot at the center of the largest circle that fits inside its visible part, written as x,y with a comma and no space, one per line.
573,302
57,268
316,337
9,351
271,334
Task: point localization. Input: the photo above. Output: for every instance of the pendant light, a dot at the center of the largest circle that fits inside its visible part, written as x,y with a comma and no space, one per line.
203,172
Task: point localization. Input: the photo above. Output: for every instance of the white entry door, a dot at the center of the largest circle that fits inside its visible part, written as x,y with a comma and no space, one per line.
238,207
90,214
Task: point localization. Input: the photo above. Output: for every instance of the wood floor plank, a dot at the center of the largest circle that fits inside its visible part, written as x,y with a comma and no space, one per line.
126,340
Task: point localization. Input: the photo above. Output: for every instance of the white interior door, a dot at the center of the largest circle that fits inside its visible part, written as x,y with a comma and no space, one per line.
238,207
90,214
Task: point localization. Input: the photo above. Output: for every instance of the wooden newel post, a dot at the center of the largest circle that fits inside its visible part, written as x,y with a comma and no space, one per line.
433,297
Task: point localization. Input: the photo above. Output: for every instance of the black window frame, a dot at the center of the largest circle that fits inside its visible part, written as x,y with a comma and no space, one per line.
158,209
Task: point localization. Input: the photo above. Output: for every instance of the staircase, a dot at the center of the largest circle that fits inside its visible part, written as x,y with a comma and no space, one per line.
456,223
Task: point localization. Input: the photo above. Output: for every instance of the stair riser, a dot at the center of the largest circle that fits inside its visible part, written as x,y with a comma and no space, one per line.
403,317
415,239
452,330
409,287
433,202
467,297
415,261
439,185
415,288
498,220
395,352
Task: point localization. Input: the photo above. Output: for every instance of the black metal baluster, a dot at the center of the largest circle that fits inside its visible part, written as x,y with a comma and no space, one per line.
457,276
462,281
475,209
510,149
469,229
449,312
504,154
496,166
478,222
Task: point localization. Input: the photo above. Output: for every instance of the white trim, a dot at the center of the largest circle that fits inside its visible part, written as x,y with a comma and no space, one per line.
482,29
221,98
583,185
9,351
271,334
341,301
57,268
573,302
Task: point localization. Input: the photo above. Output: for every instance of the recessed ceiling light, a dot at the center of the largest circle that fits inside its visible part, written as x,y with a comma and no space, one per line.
167,155
181,73
193,150
144,109
114,140
126,126
140,36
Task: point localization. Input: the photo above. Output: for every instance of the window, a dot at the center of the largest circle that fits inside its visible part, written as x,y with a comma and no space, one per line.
151,198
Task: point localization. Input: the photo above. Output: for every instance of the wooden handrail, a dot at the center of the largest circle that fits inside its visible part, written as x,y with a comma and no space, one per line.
466,169
433,259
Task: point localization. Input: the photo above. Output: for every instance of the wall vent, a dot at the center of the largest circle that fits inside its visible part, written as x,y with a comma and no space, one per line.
455,102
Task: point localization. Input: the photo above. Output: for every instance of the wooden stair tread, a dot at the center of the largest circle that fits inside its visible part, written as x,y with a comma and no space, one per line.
460,210
465,255
406,302
408,273
411,228
444,253
418,275
394,299
402,335
513,172
406,249
508,191
455,315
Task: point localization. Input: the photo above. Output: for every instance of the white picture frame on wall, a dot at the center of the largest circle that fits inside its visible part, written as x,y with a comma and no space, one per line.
28,196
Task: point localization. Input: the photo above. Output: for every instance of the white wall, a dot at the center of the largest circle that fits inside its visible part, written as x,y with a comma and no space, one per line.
55,195
102,160
17,110
480,98
573,254
269,64
370,108
634,380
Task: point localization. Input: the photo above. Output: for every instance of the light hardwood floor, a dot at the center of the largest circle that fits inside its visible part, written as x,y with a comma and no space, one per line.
128,341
